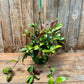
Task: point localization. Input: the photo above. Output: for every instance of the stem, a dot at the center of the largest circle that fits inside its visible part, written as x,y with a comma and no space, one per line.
17,61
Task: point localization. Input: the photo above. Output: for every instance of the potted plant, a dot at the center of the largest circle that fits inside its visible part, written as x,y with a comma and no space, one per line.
43,43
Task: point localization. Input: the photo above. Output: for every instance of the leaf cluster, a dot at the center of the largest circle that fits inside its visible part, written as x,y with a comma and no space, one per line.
59,79
31,78
43,42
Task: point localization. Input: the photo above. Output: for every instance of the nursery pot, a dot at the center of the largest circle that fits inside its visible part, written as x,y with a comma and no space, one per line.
41,60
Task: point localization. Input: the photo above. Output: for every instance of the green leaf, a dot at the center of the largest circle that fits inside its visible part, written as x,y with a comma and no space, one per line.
24,56
57,46
8,68
31,80
13,61
23,34
36,77
29,47
45,36
61,79
45,51
23,49
8,77
41,43
57,27
27,31
51,81
50,75
32,25
5,71
35,25
27,79
53,69
52,47
55,19
30,69
62,38
36,47
45,65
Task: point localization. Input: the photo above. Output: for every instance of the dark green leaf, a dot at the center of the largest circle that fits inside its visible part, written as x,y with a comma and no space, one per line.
13,61
51,81
24,56
27,31
36,77
23,49
31,80
50,75
27,79
61,79
30,69
8,77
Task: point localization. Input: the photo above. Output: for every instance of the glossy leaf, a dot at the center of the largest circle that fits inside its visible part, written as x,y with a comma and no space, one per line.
27,79
45,36
30,69
57,46
7,77
24,56
13,61
5,71
29,47
27,32
41,43
45,51
32,25
36,77
57,27
50,75
23,49
53,69
61,79
31,80
51,81
36,47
